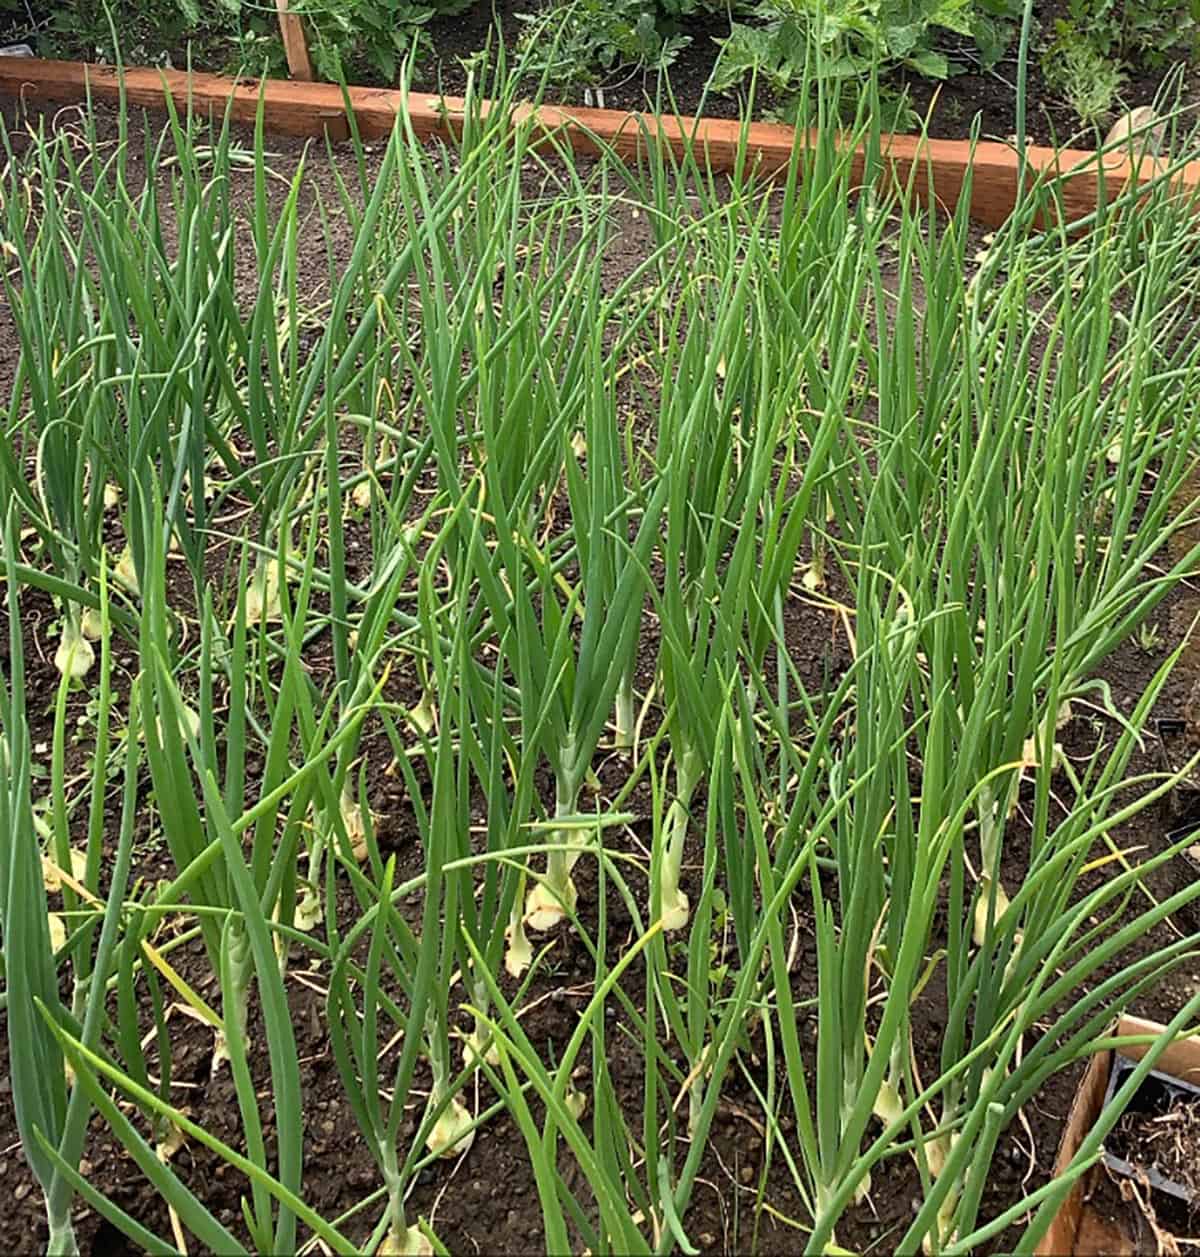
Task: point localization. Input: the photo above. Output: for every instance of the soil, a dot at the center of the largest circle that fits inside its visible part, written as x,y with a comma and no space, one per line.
1134,1218
1160,1131
487,1202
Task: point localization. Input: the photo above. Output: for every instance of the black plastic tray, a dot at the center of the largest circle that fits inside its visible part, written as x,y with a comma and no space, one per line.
1183,801
1157,1090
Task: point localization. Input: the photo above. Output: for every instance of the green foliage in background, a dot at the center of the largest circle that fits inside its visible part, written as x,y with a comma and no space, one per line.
356,40
227,35
1148,33
856,35
1087,79
365,40
596,39
1093,45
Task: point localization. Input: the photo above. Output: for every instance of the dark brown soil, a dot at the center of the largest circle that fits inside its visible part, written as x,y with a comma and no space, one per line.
1165,1139
488,1202
1138,1221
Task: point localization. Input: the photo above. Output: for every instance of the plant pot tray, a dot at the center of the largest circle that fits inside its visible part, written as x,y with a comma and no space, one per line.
1176,750
1077,1228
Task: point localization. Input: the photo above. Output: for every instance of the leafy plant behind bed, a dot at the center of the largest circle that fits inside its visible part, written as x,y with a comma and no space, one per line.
595,41
1097,42
230,35
366,40
853,38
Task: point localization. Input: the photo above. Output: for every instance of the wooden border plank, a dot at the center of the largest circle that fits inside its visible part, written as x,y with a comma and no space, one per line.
937,168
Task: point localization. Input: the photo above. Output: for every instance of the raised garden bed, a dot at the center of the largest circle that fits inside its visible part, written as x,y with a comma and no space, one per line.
1113,56
935,168
510,411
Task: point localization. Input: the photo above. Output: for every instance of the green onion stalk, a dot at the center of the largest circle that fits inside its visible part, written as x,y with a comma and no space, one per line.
445,829
713,384
52,414
708,384
419,963
506,318
238,863
257,877
356,1051
610,586
1030,1000
53,1112
508,408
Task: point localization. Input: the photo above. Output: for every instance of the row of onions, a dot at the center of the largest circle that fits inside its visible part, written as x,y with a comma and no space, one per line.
594,510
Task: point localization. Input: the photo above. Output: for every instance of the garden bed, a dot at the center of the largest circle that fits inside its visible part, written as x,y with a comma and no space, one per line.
934,170
1109,58
745,1197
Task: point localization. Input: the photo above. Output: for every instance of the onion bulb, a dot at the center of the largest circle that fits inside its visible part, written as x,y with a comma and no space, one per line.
451,1135
981,908
518,956
546,906
90,625
126,572
355,825
74,657
409,1242
262,595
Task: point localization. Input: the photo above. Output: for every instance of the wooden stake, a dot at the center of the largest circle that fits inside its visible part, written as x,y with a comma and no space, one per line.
295,44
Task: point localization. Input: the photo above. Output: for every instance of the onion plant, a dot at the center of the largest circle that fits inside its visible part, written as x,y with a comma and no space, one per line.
567,687
125,340
418,963
52,1110
239,894
49,463
1014,568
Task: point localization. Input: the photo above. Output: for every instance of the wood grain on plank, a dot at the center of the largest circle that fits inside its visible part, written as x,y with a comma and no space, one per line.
938,170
